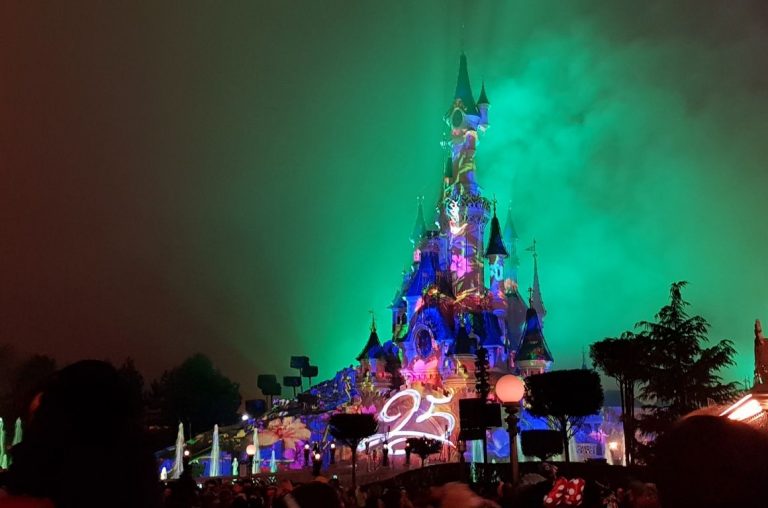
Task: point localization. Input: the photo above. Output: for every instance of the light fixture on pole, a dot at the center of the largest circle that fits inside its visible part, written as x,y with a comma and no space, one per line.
317,463
250,450
510,390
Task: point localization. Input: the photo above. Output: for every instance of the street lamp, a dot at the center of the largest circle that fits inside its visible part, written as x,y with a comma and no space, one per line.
306,454
510,390
245,417
333,453
250,450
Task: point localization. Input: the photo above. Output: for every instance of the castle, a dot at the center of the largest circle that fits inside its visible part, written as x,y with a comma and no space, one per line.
443,310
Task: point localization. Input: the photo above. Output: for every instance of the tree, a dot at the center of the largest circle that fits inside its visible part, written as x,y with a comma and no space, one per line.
423,447
681,375
298,363
350,429
293,382
269,386
133,381
543,444
195,392
309,372
564,398
623,359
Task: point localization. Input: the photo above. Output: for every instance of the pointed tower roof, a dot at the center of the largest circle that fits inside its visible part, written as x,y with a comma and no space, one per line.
464,88
536,301
419,226
373,347
428,273
483,99
495,243
509,228
533,346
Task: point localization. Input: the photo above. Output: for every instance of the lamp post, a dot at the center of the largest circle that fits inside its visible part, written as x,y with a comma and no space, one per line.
250,450
333,453
510,390
306,454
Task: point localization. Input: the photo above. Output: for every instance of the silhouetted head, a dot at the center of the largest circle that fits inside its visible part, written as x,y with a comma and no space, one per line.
312,494
709,462
84,438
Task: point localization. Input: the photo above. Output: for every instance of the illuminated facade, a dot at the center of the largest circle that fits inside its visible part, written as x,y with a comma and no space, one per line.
461,292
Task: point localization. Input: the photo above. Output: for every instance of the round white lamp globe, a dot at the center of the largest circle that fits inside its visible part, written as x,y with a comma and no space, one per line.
510,389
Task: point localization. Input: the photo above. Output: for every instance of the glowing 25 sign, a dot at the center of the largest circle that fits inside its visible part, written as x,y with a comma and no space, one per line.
408,414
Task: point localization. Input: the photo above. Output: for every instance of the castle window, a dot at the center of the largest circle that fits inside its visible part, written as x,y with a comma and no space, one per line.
424,342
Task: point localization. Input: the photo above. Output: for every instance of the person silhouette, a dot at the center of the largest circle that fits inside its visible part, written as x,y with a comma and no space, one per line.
711,461
84,445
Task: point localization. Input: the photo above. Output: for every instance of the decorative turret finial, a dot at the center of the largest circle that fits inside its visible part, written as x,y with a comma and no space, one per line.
758,329
373,321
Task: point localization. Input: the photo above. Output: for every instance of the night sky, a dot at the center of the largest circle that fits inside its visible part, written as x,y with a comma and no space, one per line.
240,179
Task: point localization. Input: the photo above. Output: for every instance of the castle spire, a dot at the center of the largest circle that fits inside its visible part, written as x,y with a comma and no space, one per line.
419,226
510,233
510,242
464,88
483,99
535,299
533,356
373,346
495,242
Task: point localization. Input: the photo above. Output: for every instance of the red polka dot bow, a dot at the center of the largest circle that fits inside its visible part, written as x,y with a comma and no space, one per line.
565,493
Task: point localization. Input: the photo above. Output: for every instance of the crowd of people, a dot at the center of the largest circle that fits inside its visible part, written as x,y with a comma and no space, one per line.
535,490
84,449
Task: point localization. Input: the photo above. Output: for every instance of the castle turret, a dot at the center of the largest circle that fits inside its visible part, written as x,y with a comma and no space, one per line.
533,356
372,351
496,253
